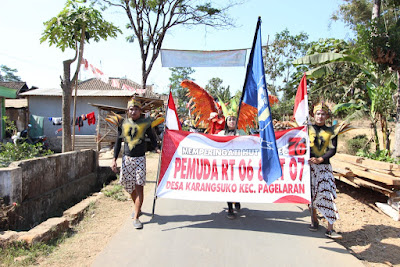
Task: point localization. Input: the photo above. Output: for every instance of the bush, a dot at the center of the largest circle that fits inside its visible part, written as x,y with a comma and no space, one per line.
10,152
358,143
381,155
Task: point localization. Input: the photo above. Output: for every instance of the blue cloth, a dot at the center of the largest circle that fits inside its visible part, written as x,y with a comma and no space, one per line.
255,94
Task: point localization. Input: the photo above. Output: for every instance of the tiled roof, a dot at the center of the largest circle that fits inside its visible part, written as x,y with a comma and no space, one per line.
13,85
113,84
96,87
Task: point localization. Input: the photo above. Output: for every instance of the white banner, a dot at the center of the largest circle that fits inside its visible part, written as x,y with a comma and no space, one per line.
227,168
194,58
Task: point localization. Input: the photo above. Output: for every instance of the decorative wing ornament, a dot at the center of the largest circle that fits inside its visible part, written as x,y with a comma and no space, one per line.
248,114
202,104
114,118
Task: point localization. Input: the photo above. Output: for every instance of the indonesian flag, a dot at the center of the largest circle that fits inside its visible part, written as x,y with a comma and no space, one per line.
129,88
172,121
300,111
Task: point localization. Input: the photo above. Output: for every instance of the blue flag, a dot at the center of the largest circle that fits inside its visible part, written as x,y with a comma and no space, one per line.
255,94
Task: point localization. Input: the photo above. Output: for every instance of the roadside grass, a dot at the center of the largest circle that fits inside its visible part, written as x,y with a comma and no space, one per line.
22,254
115,191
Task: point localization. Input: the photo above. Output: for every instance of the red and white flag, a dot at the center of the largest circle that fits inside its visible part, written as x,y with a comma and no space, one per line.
115,83
300,111
129,88
172,121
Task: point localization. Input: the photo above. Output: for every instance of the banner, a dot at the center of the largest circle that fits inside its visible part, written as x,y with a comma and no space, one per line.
195,58
197,166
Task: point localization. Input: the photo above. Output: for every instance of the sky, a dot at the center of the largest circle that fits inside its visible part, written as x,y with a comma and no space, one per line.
21,26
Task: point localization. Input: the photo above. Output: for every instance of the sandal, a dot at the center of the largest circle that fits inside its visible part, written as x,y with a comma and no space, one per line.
313,227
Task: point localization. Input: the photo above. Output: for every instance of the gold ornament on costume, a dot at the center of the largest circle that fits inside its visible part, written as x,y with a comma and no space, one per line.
321,106
133,102
133,132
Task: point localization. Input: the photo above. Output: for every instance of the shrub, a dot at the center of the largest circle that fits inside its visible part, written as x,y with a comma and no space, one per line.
381,155
357,143
10,152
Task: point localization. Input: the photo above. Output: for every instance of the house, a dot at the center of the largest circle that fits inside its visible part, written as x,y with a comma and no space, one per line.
16,108
46,104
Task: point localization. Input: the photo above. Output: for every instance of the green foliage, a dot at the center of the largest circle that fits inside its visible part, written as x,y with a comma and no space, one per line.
358,143
177,76
10,125
8,74
10,152
65,29
216,90
115,191
22,254
278,58
381,155
354,12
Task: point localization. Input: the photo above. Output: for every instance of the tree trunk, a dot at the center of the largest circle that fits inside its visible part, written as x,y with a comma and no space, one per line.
396,152
66,108
376,9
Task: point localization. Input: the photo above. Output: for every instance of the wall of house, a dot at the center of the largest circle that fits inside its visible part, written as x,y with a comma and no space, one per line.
43,186
51,106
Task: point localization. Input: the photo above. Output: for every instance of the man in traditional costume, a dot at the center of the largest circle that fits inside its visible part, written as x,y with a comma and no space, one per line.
133,170
323,144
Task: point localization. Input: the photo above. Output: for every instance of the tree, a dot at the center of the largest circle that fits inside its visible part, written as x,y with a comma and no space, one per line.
150,20
8,74
379,34
71,28
177,76
216,90
278,58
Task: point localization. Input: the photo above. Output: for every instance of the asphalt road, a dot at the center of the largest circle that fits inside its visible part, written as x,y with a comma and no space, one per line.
190,233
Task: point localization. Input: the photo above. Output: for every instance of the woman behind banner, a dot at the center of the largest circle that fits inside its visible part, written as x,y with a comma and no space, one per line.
323,144
231,129
133,170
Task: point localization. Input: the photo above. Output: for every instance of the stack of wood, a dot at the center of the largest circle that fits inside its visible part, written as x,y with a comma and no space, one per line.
380,176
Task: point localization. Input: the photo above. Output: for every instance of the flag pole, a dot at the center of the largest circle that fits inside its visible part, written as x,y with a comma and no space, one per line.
248,67
159,160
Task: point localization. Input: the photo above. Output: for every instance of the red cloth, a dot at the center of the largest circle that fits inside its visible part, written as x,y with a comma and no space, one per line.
217,125
91,118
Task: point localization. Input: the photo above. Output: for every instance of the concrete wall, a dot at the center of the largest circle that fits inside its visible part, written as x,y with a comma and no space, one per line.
51,106
45,186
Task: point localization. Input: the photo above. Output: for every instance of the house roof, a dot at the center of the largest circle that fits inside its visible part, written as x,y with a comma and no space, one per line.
113,83
96,87
13,85
20,87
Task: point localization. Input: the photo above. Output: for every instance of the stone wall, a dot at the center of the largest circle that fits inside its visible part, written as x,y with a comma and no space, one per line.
43,187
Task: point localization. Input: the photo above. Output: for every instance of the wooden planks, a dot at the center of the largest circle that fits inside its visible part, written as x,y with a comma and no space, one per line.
356,171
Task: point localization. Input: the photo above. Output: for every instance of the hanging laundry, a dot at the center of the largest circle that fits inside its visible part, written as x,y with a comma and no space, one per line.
91,118
78,121
37,126
56,120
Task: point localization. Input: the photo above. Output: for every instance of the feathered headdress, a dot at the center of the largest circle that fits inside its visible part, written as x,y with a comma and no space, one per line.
230,111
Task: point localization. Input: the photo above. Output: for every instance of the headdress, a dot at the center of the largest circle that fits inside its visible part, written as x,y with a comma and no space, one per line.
133,102
232,110
322,106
